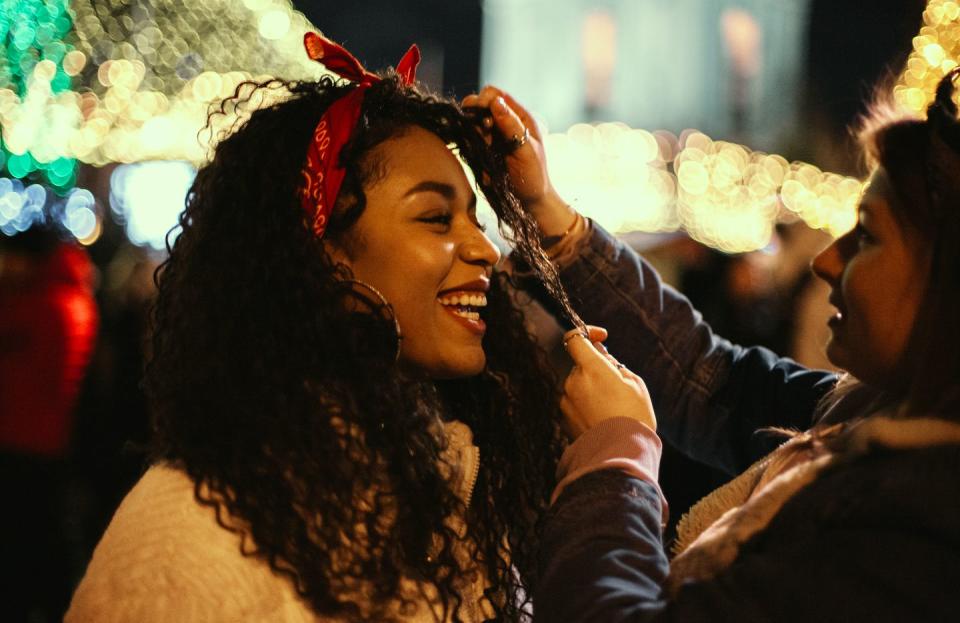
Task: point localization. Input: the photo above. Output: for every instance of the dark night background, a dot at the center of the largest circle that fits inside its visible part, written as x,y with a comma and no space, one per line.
841,67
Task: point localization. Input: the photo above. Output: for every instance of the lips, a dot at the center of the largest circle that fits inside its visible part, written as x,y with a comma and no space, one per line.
465,303
837,318
477,285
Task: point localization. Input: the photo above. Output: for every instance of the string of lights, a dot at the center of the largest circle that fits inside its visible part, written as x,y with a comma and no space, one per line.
126,81
936,50
722,194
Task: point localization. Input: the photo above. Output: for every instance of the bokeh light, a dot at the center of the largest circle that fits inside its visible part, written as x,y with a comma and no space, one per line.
24,205
722,194
147,73
34,35
148,197
130,81
936,50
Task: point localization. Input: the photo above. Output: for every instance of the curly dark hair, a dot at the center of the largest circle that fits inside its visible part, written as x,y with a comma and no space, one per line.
284,403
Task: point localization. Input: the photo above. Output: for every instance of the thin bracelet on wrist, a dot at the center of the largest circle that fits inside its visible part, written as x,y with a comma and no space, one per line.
551,241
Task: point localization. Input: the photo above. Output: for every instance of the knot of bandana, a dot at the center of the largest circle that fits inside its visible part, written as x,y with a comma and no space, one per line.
322,173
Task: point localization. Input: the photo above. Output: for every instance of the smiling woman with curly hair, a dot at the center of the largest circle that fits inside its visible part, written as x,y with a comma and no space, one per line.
351,420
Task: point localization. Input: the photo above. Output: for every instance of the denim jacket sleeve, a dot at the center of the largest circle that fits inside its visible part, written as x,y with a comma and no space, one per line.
602,558
710,396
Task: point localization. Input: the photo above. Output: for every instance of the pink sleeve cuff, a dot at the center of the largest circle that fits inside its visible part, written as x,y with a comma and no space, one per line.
617,443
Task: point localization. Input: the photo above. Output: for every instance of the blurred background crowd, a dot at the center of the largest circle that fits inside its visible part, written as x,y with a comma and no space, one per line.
710,134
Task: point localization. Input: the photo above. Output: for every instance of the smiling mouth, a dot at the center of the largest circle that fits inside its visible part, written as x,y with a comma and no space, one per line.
466,306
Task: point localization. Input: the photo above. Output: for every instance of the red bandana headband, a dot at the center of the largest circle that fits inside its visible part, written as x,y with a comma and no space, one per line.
322,174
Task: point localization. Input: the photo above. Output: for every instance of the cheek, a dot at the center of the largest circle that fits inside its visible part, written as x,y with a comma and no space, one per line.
882,307
413,283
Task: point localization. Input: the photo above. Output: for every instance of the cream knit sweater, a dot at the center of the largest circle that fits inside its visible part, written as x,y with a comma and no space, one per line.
164,558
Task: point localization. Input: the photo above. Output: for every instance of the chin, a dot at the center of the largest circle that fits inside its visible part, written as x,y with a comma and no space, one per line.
465,366
871,374
834,354
469,363
462,369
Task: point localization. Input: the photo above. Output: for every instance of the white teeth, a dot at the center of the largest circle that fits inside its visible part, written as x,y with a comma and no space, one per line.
470,315
464,300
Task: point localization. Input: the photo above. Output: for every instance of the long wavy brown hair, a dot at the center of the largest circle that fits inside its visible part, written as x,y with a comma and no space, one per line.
922,160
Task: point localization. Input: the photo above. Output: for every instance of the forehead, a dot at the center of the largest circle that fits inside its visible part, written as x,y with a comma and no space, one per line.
882,209
879,199
417,155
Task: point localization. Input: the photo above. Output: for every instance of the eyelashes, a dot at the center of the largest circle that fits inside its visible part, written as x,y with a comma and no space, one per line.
440,219
447,219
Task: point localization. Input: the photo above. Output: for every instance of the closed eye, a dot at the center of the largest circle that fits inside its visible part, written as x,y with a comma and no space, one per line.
439,219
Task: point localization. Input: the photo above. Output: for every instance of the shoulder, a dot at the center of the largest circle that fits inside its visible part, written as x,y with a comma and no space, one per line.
874,538
887,517
165,557
898,470
898,487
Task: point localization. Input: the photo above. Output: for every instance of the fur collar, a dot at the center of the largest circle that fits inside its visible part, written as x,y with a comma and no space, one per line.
710,535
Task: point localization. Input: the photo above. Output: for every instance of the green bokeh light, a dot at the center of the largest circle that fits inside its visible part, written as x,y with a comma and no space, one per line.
20,165
30,31
62,166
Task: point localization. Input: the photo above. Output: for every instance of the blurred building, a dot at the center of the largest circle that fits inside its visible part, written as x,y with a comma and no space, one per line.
731,69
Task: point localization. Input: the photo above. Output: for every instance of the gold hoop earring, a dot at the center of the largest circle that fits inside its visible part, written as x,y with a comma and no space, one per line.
384,305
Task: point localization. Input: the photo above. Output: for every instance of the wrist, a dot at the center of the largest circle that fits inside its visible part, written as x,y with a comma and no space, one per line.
553,215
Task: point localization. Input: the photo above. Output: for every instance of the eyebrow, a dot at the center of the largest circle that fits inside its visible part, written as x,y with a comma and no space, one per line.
445,190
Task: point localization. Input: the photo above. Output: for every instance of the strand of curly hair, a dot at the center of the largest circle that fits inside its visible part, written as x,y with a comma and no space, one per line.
287,409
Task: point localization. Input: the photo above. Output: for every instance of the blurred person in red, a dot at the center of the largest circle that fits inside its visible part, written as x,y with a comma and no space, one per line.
48,327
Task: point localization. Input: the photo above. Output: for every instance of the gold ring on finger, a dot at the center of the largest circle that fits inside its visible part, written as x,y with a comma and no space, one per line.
518,140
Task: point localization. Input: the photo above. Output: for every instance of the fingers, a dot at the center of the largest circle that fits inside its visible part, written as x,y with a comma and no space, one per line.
512,119
582,350
587,350
509,123
486,95
596,334
528,121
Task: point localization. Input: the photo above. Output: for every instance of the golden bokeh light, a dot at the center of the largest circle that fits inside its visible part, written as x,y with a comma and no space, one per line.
722,194
146,74
936,50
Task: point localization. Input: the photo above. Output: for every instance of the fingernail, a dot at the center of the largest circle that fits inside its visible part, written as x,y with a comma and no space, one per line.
500,102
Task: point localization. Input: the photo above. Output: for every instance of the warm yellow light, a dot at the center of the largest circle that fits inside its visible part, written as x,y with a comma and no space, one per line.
155,74
936,51
274,24
170,63
45,70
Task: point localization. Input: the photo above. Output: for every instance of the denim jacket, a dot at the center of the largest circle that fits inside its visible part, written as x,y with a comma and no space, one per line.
710,396
875,540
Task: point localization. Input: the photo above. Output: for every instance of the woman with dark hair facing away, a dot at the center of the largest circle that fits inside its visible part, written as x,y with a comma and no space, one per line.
351,420
855,519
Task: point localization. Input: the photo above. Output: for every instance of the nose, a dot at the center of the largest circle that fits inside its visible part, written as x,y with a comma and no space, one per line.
478,249
828,264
